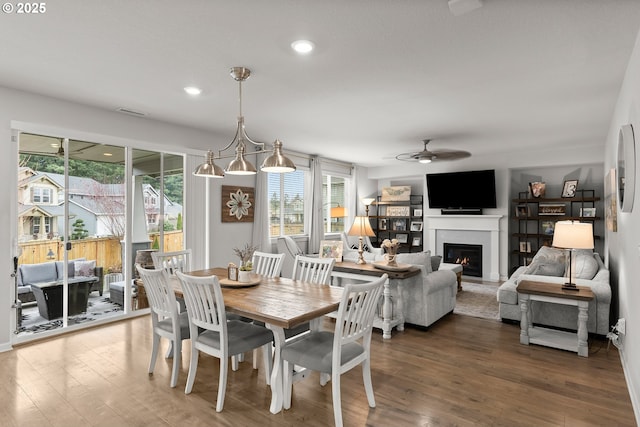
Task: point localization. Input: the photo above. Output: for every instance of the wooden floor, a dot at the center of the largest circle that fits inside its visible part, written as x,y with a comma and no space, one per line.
462,371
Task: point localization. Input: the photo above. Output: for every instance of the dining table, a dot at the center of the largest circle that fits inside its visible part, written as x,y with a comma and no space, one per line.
281,303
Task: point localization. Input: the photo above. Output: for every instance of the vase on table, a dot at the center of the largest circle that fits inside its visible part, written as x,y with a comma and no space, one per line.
390,256
244,276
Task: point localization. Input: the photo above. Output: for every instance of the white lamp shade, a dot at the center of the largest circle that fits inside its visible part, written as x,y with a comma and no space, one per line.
573,235
361,227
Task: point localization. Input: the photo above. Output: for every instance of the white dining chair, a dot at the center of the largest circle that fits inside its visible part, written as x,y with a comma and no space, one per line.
313,269
213,334
166,320
267,264
335,353
173,261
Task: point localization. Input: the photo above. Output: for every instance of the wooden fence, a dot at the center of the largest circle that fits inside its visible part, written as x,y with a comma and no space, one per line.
107,251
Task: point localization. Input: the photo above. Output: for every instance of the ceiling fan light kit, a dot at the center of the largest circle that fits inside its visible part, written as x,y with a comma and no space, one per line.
427,156
276,162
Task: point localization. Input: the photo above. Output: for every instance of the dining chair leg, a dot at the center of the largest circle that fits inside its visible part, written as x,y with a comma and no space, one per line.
222,383
234,362
193,367
154,352
255,358
169,353
337,404
267,361
324,378
177,358
368,386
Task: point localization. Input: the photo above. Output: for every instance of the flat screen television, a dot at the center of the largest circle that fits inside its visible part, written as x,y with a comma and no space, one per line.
470,190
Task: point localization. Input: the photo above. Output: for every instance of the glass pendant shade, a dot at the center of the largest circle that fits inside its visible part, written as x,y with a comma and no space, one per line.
277,162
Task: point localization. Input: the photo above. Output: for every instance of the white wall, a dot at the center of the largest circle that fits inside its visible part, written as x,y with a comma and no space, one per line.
623,246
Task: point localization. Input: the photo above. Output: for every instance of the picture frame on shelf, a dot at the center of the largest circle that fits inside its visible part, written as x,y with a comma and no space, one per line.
396,194
399,225
525,247
402,237
588,212
548,227
382,224
523,211
398,210
537,189
417,241
417,212
331,249
416,226
569,188
553,209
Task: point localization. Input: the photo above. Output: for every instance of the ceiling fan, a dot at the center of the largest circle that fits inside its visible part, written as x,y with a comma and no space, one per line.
428,156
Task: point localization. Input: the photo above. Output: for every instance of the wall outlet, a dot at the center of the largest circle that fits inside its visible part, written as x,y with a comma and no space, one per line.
621,326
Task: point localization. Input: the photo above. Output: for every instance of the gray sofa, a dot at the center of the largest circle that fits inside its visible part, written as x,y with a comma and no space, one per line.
426,297
548,265
48,272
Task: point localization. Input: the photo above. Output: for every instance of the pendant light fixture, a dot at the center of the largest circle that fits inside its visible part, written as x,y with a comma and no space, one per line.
276,162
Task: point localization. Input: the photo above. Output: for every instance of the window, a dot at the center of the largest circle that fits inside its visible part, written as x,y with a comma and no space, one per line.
286,203
41,195
35,225
333,194
47,225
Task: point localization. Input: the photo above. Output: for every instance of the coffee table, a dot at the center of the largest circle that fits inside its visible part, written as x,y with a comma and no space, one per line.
529,290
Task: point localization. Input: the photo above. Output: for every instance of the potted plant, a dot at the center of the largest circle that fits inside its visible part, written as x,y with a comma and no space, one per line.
245,254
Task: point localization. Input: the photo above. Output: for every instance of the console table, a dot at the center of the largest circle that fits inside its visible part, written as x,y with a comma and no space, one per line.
392,309
529,290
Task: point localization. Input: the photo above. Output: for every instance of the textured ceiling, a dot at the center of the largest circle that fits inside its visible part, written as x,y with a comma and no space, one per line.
512,74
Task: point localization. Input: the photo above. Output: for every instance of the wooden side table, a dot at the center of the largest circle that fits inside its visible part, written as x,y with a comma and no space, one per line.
529,290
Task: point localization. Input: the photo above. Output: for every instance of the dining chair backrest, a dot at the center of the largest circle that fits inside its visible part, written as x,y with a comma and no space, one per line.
267,264
313,269
205,304
356,312
160,293
173,261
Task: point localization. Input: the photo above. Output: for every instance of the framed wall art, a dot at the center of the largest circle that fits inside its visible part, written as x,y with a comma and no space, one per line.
552,209
237,204
416,226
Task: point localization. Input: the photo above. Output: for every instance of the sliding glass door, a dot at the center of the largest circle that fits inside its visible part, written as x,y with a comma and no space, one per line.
72,228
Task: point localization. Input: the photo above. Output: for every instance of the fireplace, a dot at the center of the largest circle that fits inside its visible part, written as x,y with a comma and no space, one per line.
469,256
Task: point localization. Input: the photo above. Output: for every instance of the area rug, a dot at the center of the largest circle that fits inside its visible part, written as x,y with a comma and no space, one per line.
98,307
478,300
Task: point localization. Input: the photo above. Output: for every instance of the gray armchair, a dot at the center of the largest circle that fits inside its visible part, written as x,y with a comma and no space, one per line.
287,246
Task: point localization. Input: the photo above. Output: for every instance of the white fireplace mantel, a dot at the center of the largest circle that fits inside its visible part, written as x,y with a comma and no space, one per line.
482,223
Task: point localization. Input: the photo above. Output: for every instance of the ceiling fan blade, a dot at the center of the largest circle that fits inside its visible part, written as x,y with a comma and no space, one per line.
450,155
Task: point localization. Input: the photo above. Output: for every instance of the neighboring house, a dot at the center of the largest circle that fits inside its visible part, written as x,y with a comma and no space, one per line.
99,206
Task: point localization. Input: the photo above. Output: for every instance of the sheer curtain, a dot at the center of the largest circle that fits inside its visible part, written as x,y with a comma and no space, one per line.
260,234
316,229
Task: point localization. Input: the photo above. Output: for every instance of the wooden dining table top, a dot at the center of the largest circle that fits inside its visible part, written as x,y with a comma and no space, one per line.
278,301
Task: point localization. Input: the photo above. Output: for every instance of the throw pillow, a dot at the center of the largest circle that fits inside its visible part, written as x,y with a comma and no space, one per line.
549,254
416,258
435,262
545,268
585,265
85,268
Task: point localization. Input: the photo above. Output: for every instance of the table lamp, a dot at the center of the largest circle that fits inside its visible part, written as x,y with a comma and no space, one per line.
361,227
572,235
366,202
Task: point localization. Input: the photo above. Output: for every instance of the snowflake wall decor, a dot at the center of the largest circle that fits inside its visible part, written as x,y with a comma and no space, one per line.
237,204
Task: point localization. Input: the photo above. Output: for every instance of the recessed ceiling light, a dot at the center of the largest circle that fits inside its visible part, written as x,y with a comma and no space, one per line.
107,154
192,90
302,47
